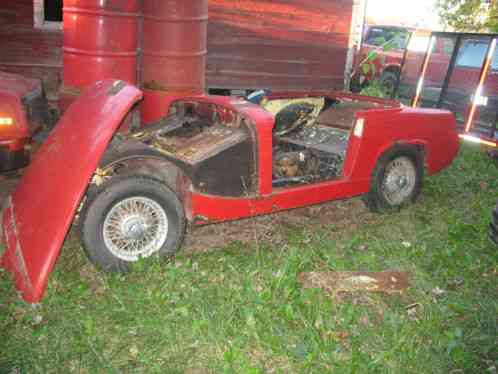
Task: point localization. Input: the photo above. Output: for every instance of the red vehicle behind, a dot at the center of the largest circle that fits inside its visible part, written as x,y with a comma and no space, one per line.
23,111
209,159
380,57
458,72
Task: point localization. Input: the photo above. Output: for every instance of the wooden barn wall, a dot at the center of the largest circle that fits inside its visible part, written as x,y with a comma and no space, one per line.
26,50
284,44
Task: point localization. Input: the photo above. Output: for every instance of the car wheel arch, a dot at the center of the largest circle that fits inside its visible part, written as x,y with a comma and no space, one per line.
419,146
136,158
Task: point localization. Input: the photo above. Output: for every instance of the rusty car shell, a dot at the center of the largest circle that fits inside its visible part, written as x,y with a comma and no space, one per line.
216,153
35,224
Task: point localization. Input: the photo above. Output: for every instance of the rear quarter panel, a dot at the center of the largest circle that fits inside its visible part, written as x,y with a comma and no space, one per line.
433,130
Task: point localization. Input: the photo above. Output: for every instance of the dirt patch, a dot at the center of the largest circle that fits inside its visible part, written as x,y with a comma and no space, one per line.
334,218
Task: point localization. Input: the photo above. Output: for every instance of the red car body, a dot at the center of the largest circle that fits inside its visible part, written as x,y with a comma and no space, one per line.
35,225
22,111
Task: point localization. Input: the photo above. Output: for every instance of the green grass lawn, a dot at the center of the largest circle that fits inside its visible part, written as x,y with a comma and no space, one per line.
241,308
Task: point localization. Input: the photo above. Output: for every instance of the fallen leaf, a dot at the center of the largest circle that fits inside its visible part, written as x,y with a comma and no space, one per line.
37,319
438,291
133,351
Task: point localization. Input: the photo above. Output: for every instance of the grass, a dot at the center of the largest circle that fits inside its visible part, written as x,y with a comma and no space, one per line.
241,309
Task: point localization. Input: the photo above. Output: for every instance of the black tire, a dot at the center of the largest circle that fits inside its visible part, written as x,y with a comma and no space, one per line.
410,185
388,82
105,201
355,85
493,226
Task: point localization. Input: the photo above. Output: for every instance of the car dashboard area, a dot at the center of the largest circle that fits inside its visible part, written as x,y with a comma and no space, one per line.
320,138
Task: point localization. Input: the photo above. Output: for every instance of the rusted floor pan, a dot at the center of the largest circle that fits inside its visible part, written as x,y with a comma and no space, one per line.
342,114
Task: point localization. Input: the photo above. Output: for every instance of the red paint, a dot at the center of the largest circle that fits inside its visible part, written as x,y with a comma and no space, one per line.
35,224
41,209
12,89
175,38
100,41
384,127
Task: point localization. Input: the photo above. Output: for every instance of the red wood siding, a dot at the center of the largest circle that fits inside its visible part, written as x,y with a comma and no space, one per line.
282,44
26,50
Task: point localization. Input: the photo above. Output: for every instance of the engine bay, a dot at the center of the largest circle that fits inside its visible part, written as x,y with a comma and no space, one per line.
195,131
310,141
311,137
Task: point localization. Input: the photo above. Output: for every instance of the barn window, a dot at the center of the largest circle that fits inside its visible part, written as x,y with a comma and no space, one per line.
53,10
48,14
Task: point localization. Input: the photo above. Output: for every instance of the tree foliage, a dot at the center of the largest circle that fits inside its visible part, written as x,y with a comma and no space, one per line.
469,15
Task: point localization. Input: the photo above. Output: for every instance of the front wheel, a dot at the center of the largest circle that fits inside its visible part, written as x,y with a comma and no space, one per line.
397,179
129,218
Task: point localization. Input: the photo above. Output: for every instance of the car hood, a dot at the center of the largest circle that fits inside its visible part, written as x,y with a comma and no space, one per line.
17,85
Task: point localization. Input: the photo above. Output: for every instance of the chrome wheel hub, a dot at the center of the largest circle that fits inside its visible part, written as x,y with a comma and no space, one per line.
135,227
399,180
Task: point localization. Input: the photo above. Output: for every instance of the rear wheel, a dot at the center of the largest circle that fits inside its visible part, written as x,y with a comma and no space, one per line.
128,218
493,226
397,179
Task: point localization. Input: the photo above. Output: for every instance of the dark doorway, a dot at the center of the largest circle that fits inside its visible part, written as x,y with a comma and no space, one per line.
53,10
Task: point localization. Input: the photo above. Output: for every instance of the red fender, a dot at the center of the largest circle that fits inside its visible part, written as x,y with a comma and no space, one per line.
38,214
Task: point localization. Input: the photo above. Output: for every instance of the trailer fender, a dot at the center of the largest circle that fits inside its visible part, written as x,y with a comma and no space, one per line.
37,216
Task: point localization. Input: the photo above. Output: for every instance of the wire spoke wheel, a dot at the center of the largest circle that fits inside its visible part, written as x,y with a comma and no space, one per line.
399,180
135,227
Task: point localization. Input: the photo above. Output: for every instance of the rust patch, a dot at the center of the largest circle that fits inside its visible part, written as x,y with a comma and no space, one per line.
388,282
12,240
115,88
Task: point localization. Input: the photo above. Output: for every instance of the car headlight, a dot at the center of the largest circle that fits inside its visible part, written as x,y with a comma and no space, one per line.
6,121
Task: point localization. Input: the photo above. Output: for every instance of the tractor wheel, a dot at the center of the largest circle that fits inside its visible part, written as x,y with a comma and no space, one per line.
388,82
128,218
397,179
493,226
355,85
